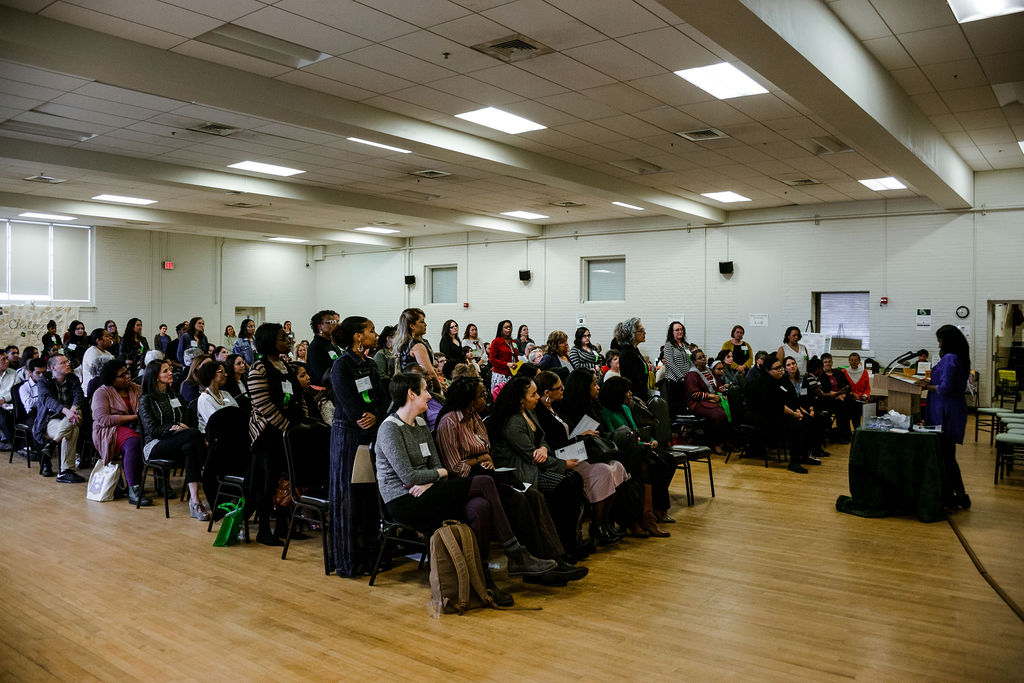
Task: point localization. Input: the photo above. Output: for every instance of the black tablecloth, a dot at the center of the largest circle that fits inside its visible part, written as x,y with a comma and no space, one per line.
895,474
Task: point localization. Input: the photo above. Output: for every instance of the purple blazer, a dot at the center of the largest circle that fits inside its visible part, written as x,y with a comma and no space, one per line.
947,405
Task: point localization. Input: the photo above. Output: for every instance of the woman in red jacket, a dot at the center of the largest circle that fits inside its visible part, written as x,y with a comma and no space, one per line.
502,353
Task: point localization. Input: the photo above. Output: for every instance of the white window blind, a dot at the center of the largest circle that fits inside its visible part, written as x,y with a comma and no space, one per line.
29,255
845,315
443,284
71,259
45,262
605,279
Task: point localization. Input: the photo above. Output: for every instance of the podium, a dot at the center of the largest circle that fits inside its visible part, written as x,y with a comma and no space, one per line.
901,396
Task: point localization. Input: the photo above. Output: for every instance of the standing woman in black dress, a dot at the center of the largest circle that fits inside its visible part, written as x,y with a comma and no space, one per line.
360,404
451,347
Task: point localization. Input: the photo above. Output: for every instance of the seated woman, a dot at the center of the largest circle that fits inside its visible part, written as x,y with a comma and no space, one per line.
465,451
518,441
774,409
583,355
418,491
612,358
134,345
835,388
190,388
805,388
703,399
115,425
382,357
212,377
76,342
600,479
236,371
754,372
220,353
556,353
167,436
860,389
535,356
633,365
742,354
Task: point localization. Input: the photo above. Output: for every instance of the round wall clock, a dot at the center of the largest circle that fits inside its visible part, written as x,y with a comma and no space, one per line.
962,311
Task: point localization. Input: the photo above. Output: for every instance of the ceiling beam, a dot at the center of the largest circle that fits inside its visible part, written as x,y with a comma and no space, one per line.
801,47
46,43
136,217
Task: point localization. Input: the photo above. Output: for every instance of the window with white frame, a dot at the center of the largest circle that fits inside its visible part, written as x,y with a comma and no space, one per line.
604,279
845,316
46,262
444,282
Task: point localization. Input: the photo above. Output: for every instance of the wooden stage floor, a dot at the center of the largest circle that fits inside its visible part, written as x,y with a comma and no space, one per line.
766,581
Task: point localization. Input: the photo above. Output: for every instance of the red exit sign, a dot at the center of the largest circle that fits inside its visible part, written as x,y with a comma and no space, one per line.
168,265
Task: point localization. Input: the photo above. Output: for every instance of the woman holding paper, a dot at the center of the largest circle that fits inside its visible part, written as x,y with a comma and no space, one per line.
947,407
600,479
360,405
518,441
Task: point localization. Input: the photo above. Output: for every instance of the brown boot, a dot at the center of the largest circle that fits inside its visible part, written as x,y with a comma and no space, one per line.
647,522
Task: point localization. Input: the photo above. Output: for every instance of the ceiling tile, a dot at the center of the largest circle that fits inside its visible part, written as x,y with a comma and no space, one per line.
1002,136
351,17
889,52
861,18
756,133
670,48
936,45
98,105
358,75
629,126
659,10
225,10
912,15
49,79
537,19
615,59
766,106
36,93
946,123
442,52
931,103
981,118
716,114
398,64
212,53
77,114
969,99
590,132
1007,67
668,118
541,113
21,103
325,85
671,89
155,14
302,31
580,106
565,71
80,16
471,30
125,96
421,12
965,73
621,97
795,128
518,81
471,89
435,99
611,17
913,80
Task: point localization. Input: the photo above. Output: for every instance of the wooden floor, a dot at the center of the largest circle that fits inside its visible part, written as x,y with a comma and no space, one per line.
766,581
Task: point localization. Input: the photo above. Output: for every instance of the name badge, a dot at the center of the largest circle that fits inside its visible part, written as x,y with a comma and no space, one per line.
424,450
286,386
72,347
364,384
175,403
803,391
333,355
194,344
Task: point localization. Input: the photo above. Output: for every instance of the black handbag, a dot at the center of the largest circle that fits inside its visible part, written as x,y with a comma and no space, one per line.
600,449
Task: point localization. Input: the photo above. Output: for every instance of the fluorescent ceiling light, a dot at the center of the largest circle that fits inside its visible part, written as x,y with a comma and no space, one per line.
628,206
523,214
258,167
879,184
379,231
725,197
500,120
262,46
377,144
973,10
47,216
123,200
722,80
1021,143
290,240
42,130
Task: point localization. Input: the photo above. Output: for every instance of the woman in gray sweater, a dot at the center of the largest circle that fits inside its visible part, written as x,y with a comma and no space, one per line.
418,492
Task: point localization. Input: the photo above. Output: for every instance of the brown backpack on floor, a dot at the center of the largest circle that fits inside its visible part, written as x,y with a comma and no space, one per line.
456,574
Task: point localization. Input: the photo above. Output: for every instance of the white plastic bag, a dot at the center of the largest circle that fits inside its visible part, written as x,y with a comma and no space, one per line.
103,480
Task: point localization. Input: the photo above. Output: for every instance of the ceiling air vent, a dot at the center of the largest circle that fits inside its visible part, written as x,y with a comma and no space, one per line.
242,205
567,204
513,48
824,144
797,180
218,129
638,166
702,134
384,224
430,173
41,178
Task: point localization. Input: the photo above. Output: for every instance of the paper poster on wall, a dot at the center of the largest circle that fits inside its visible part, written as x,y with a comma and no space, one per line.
816,343
581,319
923,319
20,323
966,329
759,320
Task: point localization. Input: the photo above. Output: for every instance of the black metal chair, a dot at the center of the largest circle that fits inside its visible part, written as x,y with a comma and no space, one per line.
682,455
391,535
315,440
22,428
228,456
164,468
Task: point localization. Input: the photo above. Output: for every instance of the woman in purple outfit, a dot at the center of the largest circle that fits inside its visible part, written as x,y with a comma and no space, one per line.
948,407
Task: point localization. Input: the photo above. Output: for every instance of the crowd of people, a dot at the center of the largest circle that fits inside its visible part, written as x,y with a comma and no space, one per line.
526,442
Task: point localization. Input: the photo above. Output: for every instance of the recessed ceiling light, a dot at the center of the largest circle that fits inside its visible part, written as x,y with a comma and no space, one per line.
500,120
123,200
879,184
523,214
377,144
47,216
973,10
628,206
258,167
722,80
725,197
255,44
379,231
290,240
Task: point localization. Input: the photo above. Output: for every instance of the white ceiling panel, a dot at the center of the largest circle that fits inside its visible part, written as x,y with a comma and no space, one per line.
326,85
565,71
890,52
471,30
154,14
124,96
421,12
965,73
993,37
541,113
670,48
225,10
936,45
970,99
302,31
358,75
537,19
913,80
80,16
350,16
580,106
671,89
861,18
519,81
399,64
442,52
43,77
104,106
611,17
913,15
615,59
28,91
621,97
473,90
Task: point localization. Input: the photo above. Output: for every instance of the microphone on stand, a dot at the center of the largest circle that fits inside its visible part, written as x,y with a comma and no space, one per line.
901,360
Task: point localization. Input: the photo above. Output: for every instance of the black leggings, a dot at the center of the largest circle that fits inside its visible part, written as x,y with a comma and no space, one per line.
184,446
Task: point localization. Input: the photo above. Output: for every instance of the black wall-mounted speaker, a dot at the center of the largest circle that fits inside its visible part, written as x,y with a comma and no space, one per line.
725,267
410,279
524,275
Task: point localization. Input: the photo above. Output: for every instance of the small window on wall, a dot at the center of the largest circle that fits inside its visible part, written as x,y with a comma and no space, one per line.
46,262
443,284
604,279
845,316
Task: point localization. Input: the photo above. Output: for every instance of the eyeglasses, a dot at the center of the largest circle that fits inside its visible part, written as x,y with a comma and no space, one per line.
122,375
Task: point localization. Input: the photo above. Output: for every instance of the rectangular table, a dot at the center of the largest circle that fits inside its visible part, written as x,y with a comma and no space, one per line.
895,474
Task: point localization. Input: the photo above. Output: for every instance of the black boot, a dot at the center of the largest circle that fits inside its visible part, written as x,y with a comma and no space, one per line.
45,465
135,493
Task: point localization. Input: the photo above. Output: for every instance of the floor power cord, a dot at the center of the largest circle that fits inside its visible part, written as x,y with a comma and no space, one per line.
984,572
